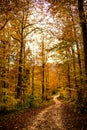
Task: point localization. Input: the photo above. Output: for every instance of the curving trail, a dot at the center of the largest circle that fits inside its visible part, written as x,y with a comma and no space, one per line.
48,119
58,116
55,117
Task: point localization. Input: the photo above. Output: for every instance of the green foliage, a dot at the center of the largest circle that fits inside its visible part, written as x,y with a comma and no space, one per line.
33,101
45,103
7,100
30,101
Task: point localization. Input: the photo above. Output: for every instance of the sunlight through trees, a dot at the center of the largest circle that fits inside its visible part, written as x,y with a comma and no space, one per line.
43,51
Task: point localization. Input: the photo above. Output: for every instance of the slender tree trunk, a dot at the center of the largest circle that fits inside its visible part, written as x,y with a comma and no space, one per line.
74,68
47,83
33,79
43,67
68,74
46,87
21,67
20,72
69,86
4,68
43,81
3,76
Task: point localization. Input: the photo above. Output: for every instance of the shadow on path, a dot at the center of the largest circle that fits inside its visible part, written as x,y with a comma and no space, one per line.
72,121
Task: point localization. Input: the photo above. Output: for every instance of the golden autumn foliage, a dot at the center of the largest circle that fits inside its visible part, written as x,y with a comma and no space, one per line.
42,52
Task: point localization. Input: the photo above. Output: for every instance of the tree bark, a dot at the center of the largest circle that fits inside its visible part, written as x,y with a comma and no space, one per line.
84,31
74,68
76,42
33,79
43,66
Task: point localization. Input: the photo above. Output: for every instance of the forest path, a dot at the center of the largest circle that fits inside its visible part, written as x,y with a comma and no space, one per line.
49,118
55,117
58,116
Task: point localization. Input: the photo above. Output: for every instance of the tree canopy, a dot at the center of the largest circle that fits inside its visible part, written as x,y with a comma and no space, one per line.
43,51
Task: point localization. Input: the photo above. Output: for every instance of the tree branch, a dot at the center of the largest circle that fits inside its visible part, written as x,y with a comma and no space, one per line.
4,24
30,32
15,38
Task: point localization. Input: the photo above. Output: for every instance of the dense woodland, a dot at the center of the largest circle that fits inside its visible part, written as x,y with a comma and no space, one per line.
43,51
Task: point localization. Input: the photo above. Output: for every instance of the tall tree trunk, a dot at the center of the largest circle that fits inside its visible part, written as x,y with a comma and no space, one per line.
20,68
33,79
76,43
3,76
43,67
68,72
4,67
69,86
84,31
20,72
21,65
47,83
74,68
83,24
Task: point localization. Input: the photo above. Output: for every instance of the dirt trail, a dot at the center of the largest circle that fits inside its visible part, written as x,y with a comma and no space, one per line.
55,117
48,118
58,116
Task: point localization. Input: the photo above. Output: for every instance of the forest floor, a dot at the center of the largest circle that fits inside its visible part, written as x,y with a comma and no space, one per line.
58,116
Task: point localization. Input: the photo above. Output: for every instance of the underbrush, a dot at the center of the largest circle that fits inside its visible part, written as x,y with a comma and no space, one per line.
29,102
78,107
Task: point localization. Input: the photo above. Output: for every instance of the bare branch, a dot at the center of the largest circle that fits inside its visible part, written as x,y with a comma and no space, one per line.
15,38
30,32
4,24
28,25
